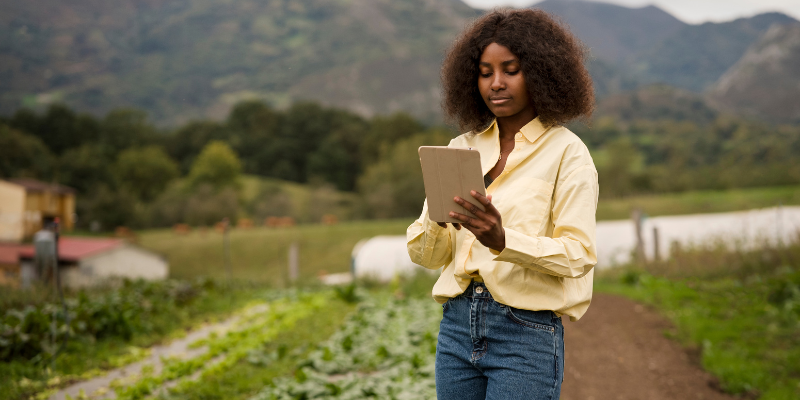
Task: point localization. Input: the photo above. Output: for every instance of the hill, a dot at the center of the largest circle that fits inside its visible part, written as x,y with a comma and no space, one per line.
181,60
614,33
696,56
657,102
765,81
184,59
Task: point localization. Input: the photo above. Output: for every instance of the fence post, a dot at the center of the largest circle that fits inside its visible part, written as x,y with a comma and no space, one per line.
226,247
294,262
779,224
656,249
636,216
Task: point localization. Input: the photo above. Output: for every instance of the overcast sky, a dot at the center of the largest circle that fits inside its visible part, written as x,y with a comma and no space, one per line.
691,11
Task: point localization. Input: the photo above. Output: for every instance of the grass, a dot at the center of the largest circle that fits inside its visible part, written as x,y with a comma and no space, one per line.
696,202
261,254
740,310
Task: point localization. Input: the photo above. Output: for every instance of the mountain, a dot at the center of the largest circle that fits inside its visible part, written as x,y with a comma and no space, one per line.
183,59
188,59
614,33
696,56
766,81
648,45
656,102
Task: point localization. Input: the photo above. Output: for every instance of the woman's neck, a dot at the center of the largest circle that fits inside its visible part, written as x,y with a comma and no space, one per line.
510,125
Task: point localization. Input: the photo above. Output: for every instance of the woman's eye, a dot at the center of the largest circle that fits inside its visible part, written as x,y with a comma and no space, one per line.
513,72
486,75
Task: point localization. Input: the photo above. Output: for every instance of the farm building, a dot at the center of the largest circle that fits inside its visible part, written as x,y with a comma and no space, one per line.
84,262
27,205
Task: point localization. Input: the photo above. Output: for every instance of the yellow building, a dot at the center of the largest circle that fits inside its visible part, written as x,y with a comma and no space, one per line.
26,205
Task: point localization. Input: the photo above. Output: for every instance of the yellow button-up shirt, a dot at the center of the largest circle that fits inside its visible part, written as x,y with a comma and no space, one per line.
547,197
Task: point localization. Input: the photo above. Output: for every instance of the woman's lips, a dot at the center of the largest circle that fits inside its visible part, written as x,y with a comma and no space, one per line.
499,100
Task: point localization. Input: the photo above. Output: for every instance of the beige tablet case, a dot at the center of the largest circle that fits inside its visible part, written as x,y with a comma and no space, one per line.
449,172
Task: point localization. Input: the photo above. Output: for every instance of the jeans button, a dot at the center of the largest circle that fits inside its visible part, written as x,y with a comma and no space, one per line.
479,289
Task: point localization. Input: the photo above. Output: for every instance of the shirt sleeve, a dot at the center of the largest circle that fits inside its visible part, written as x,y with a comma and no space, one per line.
572,251
429,244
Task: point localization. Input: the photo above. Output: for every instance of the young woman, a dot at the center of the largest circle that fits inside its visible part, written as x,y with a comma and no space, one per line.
514,270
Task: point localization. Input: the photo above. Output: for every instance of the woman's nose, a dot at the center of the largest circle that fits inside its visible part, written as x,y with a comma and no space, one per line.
498,83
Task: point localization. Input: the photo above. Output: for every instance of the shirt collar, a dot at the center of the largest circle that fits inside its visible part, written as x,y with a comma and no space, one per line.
532,130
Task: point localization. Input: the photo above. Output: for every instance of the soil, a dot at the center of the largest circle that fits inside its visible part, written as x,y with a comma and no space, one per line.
619,351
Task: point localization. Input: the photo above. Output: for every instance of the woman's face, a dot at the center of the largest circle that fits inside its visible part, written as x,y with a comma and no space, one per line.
501,83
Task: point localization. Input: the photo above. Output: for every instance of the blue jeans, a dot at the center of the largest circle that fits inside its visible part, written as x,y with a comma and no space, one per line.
488,350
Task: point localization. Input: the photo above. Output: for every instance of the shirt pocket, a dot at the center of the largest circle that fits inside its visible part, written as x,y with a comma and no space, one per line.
528,205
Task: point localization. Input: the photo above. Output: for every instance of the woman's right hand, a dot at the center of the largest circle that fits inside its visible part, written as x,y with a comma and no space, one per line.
444,225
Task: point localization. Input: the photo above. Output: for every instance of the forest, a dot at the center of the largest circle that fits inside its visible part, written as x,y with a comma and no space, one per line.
129,172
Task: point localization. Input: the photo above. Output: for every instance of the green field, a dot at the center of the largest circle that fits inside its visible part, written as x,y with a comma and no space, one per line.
261,254
696,202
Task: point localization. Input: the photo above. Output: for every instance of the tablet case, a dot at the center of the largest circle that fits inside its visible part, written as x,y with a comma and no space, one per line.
448,172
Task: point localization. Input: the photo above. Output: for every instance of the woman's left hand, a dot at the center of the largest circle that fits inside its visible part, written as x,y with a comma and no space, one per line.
487,227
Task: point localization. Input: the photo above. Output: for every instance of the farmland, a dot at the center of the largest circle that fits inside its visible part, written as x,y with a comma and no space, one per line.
260,254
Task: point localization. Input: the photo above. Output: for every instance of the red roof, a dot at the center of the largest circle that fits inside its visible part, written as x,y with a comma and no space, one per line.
73,249
9,253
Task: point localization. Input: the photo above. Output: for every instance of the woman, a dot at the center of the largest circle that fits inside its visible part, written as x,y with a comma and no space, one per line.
514,270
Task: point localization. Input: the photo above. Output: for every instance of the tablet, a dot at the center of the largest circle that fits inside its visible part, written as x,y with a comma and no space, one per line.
449,172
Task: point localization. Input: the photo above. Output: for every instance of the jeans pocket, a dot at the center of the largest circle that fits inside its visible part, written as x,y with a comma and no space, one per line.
530,319
446,305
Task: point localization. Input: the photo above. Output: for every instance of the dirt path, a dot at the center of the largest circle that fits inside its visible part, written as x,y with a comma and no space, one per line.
618,351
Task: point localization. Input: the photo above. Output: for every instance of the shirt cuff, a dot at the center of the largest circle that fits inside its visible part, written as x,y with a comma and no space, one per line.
520,248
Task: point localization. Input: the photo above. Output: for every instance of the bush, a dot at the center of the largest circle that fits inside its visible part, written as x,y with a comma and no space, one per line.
134,308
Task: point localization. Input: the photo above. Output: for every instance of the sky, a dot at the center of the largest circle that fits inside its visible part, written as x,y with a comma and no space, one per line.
690,11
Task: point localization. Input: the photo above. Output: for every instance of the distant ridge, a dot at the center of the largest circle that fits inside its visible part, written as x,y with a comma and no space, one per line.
188,59
614,33
766,81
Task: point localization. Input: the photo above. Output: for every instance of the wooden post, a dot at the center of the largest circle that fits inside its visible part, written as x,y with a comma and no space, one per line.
294,262
226,244
636,216
779,224
656,249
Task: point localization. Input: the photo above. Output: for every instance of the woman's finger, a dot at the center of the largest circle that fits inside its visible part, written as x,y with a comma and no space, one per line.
487,203
467,221
444,225
472,208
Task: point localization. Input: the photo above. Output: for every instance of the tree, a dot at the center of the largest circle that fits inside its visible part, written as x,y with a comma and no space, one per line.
125,128
217,165
253,128
59,128
184,144
85,168
385,131
393,187
145,171
23,155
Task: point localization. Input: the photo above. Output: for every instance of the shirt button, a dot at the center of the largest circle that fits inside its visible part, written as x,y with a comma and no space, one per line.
519,136
479,289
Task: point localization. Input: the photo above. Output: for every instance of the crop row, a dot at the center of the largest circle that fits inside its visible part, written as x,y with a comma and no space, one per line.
252,331
385,350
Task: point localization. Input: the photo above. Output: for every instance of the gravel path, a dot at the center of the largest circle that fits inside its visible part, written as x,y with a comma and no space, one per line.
618,351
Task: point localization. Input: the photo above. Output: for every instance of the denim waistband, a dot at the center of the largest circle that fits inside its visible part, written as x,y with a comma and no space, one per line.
477,289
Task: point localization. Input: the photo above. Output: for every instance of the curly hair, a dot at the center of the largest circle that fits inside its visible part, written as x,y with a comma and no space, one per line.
551,58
